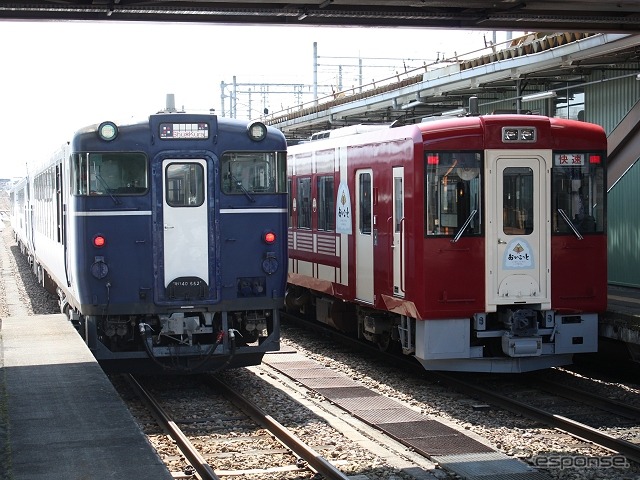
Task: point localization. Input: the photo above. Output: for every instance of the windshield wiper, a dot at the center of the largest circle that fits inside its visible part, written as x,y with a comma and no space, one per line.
464,226
242,189
107,188
570,223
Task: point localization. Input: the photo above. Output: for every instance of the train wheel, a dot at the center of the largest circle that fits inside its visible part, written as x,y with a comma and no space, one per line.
384,342
389,344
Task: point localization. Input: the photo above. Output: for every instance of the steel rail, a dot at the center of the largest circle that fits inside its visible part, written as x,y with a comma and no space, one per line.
630,450
316,461
201,466
582,396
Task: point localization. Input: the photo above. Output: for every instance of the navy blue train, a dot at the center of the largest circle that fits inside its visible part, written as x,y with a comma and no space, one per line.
165,240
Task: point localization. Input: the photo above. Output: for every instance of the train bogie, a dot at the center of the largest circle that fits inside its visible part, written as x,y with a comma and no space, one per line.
473,243
166,240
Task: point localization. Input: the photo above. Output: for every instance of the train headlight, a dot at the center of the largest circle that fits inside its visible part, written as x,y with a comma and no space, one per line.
509,134
107,131
519,134
257,131
528,134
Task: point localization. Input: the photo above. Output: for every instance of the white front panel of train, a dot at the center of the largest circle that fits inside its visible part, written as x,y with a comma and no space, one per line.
518,232
186,244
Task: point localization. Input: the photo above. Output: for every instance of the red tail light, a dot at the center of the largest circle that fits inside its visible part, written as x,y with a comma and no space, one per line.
269,238
99,241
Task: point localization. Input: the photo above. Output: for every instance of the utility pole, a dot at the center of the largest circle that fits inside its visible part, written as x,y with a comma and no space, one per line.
242,92
315,73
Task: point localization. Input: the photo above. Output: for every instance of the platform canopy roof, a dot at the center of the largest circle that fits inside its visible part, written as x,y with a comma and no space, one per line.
557,65
521,15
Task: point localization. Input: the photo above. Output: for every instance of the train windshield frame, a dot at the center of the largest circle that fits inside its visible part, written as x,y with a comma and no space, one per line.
249,173
453,193
109,173
578,193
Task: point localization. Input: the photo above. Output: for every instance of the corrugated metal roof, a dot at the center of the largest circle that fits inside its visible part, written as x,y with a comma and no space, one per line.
526,45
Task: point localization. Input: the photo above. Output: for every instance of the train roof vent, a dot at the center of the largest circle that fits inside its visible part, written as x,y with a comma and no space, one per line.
170,106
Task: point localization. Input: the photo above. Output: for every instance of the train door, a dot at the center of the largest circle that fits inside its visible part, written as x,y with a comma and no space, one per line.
518,235
185,227
364,235
398,231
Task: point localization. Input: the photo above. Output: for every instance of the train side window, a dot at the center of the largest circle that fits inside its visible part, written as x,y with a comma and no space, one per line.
326,204
118,173
80,174
184,184
453,193
398,204
517,201
365,203
303,200
578,193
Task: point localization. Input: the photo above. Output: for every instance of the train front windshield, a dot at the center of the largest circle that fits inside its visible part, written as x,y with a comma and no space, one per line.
453,193
578,193
120,173
246,173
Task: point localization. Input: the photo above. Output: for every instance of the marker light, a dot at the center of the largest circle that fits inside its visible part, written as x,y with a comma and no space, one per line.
595,159
99,241
257,131
432,160
269,238
107,131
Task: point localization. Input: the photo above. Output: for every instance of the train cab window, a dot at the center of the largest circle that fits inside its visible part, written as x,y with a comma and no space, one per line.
248,173
326,204
517,201
120,173
453,193
184,183
303,201
578,193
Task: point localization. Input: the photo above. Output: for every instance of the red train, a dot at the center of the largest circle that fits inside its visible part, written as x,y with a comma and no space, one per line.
473,243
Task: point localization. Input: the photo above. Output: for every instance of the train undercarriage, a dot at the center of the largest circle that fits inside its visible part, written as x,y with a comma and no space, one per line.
180,342
513,339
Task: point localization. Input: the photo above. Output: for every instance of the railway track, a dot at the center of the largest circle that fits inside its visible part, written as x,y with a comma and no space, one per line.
220,457
351,452
524,397
533,396
279,450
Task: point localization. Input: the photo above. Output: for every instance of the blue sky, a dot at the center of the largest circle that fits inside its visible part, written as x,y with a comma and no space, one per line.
60,76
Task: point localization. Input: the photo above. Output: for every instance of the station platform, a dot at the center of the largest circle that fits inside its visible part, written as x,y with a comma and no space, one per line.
60,416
